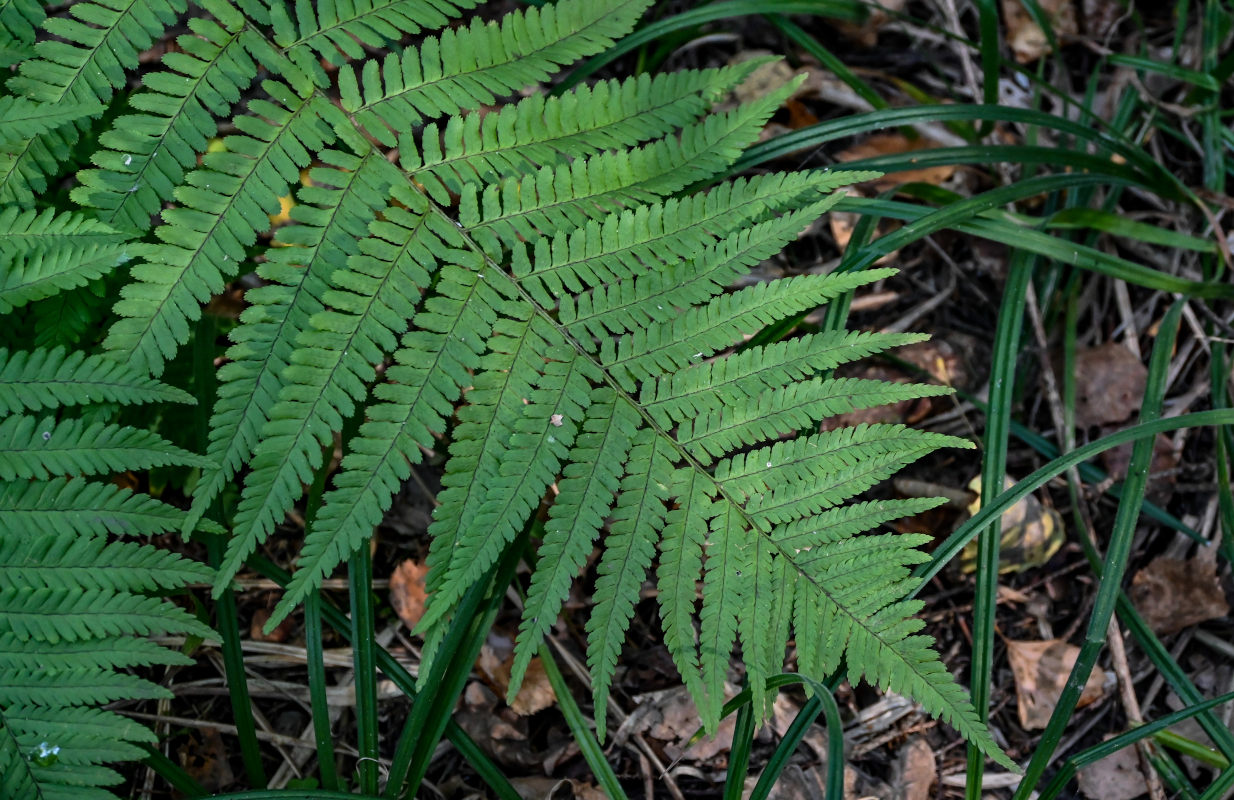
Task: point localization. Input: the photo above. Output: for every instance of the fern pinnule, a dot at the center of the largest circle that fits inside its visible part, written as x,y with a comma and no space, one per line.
85,508
225,204
540,131
32,380
332,220
149,153
470,67
341,32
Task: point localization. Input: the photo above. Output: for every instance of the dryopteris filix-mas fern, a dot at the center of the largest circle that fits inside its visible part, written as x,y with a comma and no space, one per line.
541,284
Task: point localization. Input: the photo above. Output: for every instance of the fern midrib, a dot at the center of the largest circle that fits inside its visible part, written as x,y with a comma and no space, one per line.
682,454
521,56
207,236
104,42
160,141
552,141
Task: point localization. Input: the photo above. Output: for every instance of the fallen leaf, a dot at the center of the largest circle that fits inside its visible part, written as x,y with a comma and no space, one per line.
1115,777
885,144
536,693
1031,533
914,771
1041,670
280,633
1109,385
407,593
671,717
1027,40
1173,594
204,758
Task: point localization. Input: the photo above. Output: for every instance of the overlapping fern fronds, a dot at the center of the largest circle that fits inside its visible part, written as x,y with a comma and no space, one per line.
544,287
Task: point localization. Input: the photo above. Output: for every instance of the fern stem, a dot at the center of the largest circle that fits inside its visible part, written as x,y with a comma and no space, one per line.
228,626
226,621
993,470
392,669
314,647
592,752
360,581
451,666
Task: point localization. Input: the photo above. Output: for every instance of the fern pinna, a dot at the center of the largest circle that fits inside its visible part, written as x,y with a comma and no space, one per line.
542,282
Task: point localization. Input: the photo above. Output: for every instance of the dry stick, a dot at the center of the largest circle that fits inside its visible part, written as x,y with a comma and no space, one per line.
1118,652
619,714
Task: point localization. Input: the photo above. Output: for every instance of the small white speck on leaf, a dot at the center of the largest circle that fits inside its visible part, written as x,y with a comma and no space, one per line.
556,419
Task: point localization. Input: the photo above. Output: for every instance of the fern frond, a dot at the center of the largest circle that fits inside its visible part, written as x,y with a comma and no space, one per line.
86,509
83,66
592,476
539,130
333,218
149,153
41,560
567,196
40,449
639,240
638,518
22,118
36,379
30,231
508,433
20,19
432,367
868,621
790,408
630,304
680,568
225,203
338,32
470,67
728,583
48,272
711,386
704,330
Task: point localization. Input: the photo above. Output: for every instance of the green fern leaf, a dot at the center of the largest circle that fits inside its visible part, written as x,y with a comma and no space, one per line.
333,214
83,66
540,131
638,518
650,237
38,379
40,449
21,118
470,67
341,32
149,153
592,477
224,205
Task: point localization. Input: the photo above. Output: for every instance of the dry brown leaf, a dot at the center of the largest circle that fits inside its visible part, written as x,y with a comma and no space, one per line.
407,593
1041,670
883,144
280,633
536,693
1031,533
1109,385
1161,475
204,758
914,771
1116,777
1025,36
1173,594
